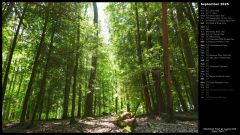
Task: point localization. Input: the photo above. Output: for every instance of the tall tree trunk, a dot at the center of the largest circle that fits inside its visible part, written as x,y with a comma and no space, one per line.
20,84
189,15
35,64
159,95
79,101
152,99
89,97
103,97
49,102
14,79
155,71
66,92
39,103
158,108
79,109
14,42
166,62
29,110
179,92
140,61
99,103
121,104
18,90
128,101
6,106
95,104
184,71
116,105
72,120
187,50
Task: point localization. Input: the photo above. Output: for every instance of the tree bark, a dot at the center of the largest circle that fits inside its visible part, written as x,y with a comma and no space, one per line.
140,61
14,79
95,104
14,42
187,50
66,92
35,64
184,71
89,97
49,102
166,62
72,120
39,103
179,92
194,25
128,101
116,105
79,102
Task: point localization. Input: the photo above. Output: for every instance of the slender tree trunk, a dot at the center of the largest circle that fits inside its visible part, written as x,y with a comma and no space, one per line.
28,111
166,62
99,103
152,99
159,95
79,102
72,120
49,101
20,84
128,101
103,97
184,71
109,97
39,103
179,92
189,15
14,42
14,79
89,97
143,75
155,71
95,104
66,92
35,64
8,99
18,90
121,104
187,50
116,105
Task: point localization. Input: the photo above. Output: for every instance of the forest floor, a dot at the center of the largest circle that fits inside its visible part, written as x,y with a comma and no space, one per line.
104,124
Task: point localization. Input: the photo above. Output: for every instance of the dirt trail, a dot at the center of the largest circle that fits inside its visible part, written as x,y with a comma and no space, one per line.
103,124
100,125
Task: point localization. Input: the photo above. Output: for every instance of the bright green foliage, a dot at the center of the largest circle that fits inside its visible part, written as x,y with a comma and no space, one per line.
118,77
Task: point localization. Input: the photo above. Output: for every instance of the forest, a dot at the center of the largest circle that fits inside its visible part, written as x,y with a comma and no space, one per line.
99,67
